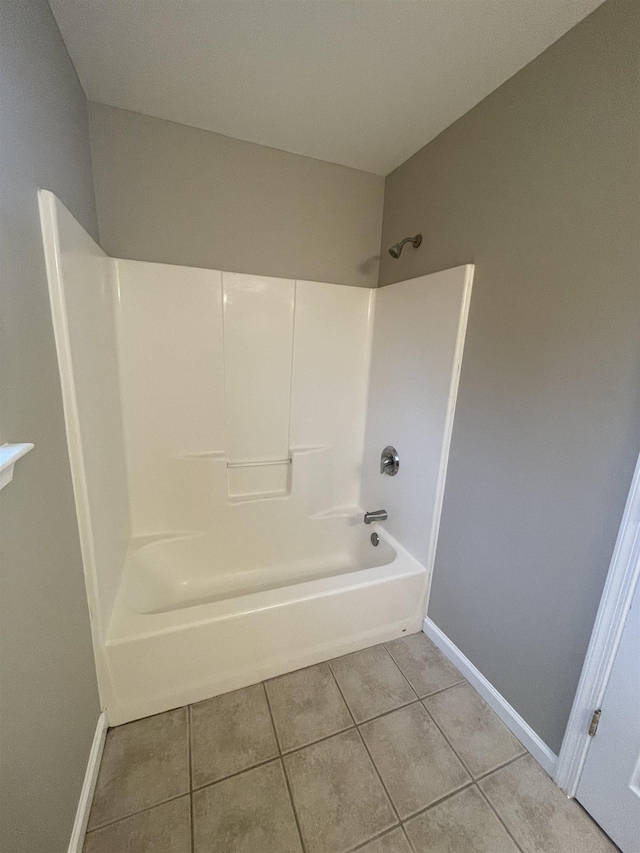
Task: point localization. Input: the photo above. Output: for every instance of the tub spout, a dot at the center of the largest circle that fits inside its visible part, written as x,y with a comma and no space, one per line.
376,515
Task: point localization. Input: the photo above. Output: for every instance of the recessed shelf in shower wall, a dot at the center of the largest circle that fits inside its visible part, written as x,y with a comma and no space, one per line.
255,481
252,480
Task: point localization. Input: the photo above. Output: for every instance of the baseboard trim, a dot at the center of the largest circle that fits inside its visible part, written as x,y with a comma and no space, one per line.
547,759
88,786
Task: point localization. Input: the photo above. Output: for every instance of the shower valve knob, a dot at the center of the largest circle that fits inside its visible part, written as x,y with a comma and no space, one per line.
389,461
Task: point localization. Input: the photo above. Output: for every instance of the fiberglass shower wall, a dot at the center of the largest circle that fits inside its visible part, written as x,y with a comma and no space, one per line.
239,389
418,340
81,285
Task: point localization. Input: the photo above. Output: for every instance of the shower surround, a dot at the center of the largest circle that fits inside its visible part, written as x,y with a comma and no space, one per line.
224,432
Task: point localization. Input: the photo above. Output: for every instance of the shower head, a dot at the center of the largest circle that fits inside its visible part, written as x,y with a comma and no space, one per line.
396,251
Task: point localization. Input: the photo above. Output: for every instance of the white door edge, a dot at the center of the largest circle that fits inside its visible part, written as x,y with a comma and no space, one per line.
617,595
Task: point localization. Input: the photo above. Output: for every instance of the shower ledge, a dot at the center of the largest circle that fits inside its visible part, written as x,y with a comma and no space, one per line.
9,455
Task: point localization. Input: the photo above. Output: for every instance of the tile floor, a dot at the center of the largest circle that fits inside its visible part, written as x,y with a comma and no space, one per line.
387,750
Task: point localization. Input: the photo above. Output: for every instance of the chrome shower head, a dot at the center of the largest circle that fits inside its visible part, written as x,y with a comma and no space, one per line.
396,251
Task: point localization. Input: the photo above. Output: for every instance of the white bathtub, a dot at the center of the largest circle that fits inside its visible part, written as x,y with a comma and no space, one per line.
197,615
182,570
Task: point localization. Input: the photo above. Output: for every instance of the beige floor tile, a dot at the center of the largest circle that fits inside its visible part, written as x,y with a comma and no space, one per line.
391,842
424,665
307,706
249,813
338,796
371,683
144,763
477,734
463,823
230,733
163,829
415,762
539,815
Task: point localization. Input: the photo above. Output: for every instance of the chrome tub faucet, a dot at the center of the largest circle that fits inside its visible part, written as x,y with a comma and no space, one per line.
376,515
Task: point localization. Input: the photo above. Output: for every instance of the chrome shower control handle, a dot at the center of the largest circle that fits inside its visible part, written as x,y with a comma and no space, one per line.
389,461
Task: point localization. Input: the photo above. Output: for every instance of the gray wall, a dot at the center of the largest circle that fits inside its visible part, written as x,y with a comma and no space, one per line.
179,195
48,694
538,186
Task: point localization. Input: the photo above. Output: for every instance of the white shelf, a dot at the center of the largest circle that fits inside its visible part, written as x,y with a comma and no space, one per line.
9,455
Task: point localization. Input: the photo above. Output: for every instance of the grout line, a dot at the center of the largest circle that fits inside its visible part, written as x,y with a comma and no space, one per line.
444,689
399,670
386,713
293,805
237,773
384,787
139,811
284,770
410,844
375,837
189,758
393,805
191,824
495,811
442,799
319,740
342,694
273,722
501,766
452,747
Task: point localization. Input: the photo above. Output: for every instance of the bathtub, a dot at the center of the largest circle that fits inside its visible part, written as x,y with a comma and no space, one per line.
199,614
169,572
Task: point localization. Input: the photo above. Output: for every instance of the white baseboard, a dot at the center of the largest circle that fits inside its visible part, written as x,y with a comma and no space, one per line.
88,786
509,716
